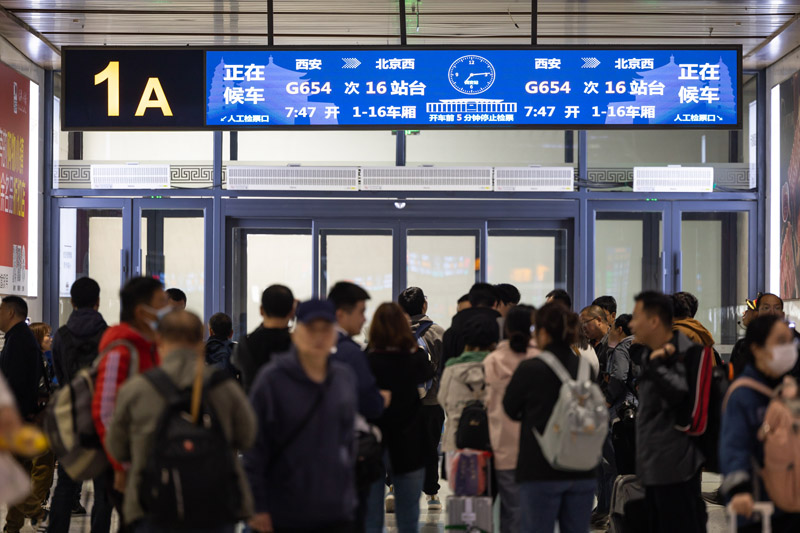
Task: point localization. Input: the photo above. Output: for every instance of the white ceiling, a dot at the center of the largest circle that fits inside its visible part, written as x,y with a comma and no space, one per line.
755,24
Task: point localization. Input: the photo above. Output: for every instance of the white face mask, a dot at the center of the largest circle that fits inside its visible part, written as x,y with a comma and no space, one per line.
159,313
784,357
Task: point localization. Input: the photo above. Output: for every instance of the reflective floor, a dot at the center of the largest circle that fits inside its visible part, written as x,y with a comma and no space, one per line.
430,522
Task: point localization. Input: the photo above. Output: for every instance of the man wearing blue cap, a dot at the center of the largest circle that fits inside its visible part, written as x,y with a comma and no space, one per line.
302,467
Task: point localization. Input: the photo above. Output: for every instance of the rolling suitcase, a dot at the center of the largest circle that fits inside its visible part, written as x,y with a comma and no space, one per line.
764,509
472,514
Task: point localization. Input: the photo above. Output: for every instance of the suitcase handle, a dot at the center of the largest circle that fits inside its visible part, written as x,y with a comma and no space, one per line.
765,509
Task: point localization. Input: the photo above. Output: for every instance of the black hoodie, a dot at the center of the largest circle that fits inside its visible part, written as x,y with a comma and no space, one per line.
84,329
256,350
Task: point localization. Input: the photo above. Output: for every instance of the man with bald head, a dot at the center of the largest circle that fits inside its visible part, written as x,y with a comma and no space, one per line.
141,402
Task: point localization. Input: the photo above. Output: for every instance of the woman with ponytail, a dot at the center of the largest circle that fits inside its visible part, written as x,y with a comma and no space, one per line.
498,367
547,496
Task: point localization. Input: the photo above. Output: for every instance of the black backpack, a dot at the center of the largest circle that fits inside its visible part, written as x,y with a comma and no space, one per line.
77,352
189,480
473,427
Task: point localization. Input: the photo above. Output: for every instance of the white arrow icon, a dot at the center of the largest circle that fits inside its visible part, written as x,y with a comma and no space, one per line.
590,62
350,62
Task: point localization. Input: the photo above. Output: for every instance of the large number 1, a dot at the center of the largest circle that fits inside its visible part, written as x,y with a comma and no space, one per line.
111,75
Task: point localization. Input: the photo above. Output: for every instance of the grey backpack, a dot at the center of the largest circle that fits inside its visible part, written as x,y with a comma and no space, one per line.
574,435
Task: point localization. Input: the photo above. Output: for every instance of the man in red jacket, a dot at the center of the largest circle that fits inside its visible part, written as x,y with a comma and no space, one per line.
129,350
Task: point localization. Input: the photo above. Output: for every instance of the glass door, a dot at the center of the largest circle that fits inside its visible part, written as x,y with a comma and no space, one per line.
626,249
172,238
711,258
362,252
445,262
93,241
264,253
535,257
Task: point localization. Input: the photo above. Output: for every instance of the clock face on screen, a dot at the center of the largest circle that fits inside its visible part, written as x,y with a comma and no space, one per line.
471,74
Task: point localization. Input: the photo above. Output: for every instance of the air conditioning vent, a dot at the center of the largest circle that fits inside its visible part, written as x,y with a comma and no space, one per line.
534,179
256,178
673,179
426,179
132,176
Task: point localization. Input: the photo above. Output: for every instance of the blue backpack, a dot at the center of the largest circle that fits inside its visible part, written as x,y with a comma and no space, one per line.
423,388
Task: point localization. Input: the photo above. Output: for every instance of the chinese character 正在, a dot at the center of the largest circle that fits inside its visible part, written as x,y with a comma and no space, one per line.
689,71
709,72
234,73
254,72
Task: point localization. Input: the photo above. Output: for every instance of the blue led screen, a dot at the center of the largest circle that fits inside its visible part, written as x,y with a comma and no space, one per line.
463,88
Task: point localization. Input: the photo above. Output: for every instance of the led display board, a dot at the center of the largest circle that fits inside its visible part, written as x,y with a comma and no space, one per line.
403,88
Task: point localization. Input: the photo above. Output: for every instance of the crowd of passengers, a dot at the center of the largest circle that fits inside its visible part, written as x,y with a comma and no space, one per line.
301,427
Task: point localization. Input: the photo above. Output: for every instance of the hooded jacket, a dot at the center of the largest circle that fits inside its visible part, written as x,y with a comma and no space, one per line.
348,352
498,367
218,355
312,484
453,340
434,340
139,408
83,325
694,330
114,370
463,380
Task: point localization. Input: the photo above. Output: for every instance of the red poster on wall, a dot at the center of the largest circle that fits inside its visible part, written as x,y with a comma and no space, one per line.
14,126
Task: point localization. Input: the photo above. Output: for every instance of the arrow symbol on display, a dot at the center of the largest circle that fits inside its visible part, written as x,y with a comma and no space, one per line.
590,62
350,62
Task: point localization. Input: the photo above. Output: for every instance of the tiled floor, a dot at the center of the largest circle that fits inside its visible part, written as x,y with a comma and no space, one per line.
430,522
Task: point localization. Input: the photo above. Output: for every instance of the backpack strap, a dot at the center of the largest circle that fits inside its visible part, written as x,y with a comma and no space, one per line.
163,384
750,383
422,328
555,365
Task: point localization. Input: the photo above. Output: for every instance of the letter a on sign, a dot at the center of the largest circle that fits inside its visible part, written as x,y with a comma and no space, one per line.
160,101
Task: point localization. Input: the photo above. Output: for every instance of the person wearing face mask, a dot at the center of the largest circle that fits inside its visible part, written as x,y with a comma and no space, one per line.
143,303
771,355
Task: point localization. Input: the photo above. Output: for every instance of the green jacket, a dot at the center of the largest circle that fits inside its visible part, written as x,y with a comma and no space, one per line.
139,406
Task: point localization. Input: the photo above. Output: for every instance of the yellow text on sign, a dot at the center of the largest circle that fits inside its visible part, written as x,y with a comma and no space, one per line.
152,96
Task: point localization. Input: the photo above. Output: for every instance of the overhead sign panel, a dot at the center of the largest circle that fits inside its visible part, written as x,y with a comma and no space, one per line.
401,88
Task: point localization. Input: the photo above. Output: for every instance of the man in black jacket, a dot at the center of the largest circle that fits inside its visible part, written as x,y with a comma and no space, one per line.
483,300
75,347
19,359
271,337
667,461
20,362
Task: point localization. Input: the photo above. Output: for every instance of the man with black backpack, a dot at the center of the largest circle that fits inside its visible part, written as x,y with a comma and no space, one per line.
179,426
429,337
75,346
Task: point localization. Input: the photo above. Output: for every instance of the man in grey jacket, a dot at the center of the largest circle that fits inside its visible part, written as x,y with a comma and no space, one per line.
667,461
130,437
415,303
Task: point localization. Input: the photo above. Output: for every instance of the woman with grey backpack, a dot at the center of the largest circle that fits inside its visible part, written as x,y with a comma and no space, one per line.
564,423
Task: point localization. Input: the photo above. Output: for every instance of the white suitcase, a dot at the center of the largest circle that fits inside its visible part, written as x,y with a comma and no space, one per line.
764,509
472,514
